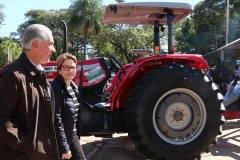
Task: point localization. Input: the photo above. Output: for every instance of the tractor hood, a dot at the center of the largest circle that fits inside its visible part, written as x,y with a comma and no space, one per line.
145,12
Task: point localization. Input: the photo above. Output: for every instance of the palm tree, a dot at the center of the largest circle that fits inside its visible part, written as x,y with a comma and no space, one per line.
86,16
2,16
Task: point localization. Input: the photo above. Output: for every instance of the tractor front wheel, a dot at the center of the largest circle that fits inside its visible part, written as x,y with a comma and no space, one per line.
174,112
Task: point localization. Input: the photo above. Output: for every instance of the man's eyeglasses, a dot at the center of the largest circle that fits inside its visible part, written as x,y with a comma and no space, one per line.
67,68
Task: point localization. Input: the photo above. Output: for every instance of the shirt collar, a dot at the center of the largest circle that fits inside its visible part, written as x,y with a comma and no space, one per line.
40,67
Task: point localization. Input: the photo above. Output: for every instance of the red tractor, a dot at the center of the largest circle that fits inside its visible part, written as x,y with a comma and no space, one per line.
167,105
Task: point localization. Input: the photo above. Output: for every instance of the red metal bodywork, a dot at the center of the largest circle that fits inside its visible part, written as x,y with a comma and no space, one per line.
119,89
124,81
88,66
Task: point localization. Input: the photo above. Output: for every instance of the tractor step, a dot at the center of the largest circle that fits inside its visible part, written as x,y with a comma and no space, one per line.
103,106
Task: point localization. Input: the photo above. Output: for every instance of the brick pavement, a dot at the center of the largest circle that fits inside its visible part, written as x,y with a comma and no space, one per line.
228,146
120,147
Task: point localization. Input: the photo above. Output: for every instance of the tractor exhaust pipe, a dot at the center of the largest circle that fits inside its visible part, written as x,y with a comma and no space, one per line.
170,23
65,48
156,38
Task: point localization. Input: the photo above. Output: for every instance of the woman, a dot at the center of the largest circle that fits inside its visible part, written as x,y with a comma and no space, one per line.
67,107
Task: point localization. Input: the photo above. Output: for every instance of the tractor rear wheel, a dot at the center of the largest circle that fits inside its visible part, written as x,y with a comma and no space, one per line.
174,112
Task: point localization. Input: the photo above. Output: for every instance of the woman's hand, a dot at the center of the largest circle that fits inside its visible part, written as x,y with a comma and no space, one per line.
67,155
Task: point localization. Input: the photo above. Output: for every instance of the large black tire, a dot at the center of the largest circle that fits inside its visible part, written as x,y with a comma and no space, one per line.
174,112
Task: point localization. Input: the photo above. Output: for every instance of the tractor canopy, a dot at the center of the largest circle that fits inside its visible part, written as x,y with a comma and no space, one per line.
146,13
157,14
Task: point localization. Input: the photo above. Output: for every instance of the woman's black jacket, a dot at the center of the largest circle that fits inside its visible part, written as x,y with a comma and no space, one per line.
65,114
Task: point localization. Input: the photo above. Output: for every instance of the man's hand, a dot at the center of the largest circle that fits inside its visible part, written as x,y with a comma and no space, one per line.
67,155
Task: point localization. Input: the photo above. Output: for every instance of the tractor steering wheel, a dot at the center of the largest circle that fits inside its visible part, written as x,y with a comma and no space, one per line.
114,61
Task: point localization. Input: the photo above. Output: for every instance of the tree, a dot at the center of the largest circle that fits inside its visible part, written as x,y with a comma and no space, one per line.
119,39
85,16
203,31
9,49
52,20
209,20
206,27
2,16
185,37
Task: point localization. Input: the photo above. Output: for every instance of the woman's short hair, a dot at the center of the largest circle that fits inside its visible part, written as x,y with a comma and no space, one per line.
32,33
61,58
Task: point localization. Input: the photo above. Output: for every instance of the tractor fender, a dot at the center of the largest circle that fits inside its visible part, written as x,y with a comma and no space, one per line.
120,87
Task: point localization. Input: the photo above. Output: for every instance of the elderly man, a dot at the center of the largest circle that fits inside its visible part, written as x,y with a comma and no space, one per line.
26,101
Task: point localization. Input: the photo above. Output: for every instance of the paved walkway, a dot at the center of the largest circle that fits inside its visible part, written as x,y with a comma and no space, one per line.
120,147
228,146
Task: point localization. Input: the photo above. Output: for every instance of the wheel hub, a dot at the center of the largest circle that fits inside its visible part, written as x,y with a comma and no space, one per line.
178,116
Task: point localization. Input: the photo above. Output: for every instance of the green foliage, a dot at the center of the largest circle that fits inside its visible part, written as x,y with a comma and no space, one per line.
49,18
52,20
119,39
185,37
205,30
2,15
210,26
85,17
202,32
7,47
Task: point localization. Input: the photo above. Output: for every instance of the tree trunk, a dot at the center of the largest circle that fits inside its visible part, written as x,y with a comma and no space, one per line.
85,48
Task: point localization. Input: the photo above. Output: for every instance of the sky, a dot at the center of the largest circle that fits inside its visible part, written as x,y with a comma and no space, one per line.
15,9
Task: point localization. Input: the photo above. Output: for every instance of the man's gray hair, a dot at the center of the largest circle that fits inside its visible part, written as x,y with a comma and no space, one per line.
32,33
